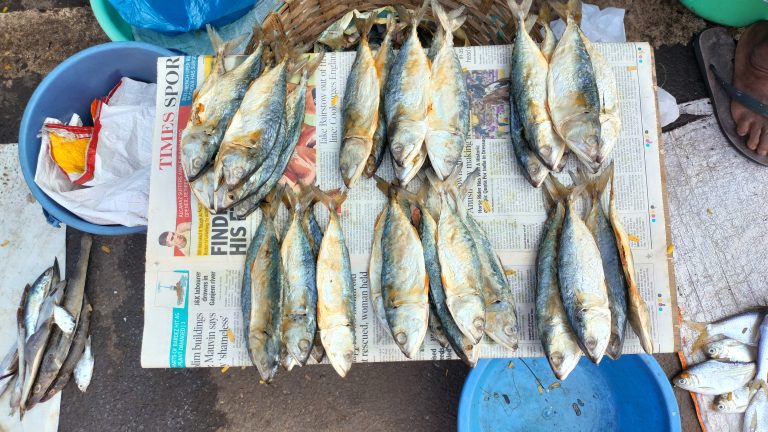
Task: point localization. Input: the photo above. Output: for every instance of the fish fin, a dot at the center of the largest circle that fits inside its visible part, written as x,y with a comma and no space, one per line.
382,185
256,41
271,205
331,199
449,21
519,10
469,181
418,16
306,198
600,183
364,23
56,273
530,21
221,47
561,9
574,9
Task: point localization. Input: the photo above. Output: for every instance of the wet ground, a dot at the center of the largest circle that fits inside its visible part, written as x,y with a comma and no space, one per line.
35,35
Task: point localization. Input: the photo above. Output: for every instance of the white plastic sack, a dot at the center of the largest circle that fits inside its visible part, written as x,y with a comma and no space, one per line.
120,191
605,25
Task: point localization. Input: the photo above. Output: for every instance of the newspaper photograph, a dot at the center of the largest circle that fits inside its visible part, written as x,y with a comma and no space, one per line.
195,260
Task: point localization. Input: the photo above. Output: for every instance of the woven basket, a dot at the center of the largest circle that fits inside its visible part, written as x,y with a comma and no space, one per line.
488,21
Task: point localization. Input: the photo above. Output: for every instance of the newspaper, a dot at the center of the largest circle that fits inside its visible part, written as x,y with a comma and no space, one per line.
195,260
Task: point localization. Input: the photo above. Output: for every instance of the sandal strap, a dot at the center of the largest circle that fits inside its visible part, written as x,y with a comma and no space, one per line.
743,98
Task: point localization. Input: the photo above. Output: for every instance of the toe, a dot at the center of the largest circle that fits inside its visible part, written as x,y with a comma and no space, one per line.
754,136
762,148
743,126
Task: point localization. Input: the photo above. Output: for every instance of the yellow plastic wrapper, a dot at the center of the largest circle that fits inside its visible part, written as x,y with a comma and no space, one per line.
69,147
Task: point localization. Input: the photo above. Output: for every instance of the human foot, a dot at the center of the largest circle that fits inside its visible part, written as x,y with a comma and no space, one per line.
750,75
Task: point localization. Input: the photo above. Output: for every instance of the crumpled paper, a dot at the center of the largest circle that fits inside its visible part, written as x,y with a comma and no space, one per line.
124,156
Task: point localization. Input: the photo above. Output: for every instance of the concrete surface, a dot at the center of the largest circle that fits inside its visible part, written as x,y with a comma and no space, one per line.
421,396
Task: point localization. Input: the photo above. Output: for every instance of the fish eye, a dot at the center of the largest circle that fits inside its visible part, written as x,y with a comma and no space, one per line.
556,358
682,381
721,406
590,342
348,356
401,338
479,323
197,162
239,172
304,345
510,330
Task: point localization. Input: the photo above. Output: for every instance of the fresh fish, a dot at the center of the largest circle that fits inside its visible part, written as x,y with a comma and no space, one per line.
360,108
756,413
76,352
600,227
582,282
610,119
404,282
558,339
549,42
500,313
21,335
533,168
383,60
299,321
735,401
407,94
714,377
528,85
60,343
84,369
637,310
572,92
744,327
254,129
214,106
261,295
460,265
448,118
37,294
204,189
731,350
335,297
374,268
463,346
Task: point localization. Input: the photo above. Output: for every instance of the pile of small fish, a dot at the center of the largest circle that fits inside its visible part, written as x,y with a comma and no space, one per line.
244,125
586,288
414,102
53,342
563,96
736,371
444,275
294,286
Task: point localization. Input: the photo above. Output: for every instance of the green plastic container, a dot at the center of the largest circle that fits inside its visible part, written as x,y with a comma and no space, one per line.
111,21
733,13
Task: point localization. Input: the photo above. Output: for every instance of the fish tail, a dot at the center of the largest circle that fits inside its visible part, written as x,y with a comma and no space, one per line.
290,199
449,21
305,197
601,182
220,46
561,9
519,10
469,181
56,273
556,190
363,24
418,16
314,63
270,206
574,9
545,14
255,42
382,185
331,199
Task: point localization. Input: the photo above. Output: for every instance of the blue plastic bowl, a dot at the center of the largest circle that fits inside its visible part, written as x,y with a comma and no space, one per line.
629,394
70,88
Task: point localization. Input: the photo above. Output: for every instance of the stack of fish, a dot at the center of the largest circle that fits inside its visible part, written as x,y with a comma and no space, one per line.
244,125
563,96
298,288
736,371
445,275
54,342
414,102
586,288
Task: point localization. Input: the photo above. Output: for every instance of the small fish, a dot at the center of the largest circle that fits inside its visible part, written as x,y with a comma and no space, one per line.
75,352
532,167
37,293
404,282
335,297
449,114
572,91
600,227
558,339
637,310
549,42
714,377
610,119
64,320
731,350
744,327
383,60
84,369
735,401
21,335
360,108
374,268
261,295
762,354
214,105
299,320
459,264
756,413
529,92
582,282
407,94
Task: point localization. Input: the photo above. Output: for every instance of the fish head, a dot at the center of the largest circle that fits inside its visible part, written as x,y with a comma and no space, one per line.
501,326
353,158
685,380
236,166
583,138
298,341
725,403
563,361
196,151
339,348
408,324
596,331
715,350
405,142
469,313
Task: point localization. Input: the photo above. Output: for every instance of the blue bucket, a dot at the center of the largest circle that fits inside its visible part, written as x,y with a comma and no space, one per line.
629,394
70,88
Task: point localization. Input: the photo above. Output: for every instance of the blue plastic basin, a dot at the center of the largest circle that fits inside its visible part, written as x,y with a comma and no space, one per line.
70,88
630,394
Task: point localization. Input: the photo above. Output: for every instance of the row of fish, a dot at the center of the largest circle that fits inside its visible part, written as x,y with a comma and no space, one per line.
586,291
736,371
244,125
53,342
443,275
563,96
414,103
297,297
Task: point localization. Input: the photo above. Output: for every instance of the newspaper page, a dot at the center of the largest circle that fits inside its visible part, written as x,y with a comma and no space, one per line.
195,260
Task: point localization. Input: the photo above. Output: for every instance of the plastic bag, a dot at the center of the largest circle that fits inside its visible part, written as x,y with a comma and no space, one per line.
180,16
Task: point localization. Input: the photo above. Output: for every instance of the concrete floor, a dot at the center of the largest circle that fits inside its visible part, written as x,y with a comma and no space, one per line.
38,34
